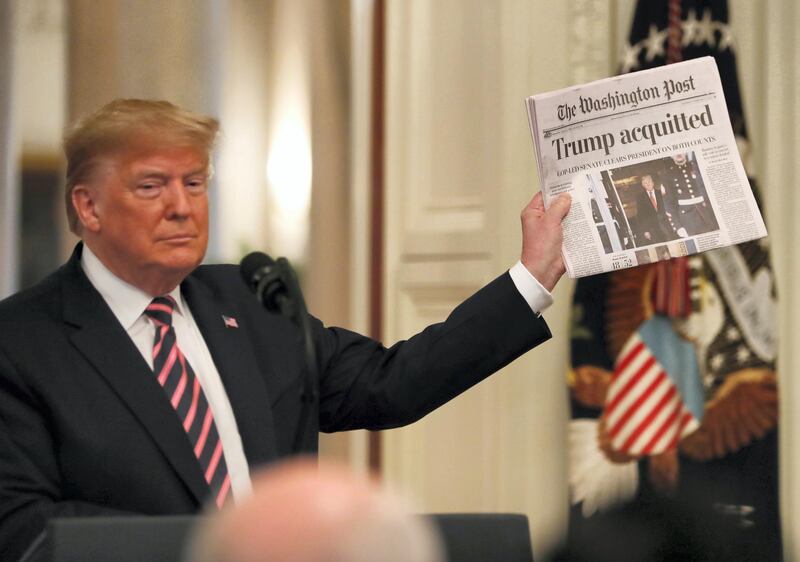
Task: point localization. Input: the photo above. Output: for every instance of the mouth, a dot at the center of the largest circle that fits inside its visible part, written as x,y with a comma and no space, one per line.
179,238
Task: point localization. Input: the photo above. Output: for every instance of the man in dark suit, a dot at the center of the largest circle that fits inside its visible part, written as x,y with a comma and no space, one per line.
652,222
134,380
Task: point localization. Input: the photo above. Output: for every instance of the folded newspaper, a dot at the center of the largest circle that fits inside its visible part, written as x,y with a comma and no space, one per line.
651,163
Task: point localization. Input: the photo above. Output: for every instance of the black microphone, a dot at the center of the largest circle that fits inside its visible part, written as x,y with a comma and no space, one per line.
277,289
267,279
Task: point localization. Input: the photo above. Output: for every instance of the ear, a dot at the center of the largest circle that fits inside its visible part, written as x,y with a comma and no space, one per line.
84,201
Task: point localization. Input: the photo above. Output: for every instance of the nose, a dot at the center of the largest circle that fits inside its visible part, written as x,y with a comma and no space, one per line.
177,201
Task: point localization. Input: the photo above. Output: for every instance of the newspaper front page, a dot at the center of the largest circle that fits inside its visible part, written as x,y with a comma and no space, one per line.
651,164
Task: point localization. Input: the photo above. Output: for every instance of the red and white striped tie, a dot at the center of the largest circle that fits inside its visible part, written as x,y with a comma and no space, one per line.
183,390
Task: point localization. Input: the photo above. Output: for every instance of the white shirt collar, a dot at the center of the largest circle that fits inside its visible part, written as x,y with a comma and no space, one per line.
126,301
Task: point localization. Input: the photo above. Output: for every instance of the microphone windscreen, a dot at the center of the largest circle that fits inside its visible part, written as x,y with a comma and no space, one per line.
251,264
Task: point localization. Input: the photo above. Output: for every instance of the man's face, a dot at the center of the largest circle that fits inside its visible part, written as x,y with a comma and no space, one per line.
647,182
145,215
679,159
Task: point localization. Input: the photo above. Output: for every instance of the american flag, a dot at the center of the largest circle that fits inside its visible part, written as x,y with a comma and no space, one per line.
230,322
646,410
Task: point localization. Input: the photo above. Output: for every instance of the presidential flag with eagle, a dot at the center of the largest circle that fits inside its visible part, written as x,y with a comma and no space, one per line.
672,383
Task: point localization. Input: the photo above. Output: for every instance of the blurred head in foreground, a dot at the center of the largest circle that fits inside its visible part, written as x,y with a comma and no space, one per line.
302,512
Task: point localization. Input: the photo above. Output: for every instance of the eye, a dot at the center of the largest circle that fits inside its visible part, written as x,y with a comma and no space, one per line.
148,189
196,185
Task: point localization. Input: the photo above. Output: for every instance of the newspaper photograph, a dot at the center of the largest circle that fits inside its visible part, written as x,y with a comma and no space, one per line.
650,161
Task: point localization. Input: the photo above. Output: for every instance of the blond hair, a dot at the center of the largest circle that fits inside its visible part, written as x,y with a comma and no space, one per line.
124,124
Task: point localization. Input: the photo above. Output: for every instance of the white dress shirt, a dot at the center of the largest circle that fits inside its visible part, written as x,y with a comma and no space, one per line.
128,304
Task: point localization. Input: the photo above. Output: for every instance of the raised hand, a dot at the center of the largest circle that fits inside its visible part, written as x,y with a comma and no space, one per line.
541,239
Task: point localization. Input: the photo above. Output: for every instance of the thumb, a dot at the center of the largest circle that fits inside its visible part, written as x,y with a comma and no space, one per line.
560,207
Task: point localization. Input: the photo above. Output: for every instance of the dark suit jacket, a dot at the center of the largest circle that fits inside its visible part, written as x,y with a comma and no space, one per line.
85,428
651,220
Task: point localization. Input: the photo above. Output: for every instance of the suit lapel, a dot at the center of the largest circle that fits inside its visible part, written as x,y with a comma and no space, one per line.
230,347
106,345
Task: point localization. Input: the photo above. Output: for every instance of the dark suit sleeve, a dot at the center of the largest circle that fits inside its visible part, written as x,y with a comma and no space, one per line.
30,487
365,385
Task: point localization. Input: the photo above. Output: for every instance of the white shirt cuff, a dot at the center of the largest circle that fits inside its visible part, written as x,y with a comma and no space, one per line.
537,297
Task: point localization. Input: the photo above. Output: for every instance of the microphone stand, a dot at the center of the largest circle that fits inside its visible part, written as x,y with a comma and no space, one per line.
281,287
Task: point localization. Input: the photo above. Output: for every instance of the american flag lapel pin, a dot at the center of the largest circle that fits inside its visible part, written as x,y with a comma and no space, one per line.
230,321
